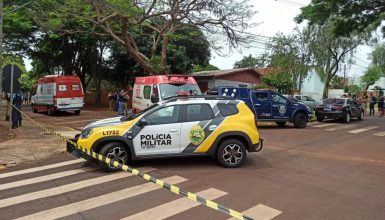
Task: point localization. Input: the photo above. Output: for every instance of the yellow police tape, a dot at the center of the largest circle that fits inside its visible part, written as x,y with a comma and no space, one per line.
147,177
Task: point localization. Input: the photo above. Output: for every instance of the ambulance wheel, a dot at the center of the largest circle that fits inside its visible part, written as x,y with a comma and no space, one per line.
49,111
300,120
231,153
76,112
116,151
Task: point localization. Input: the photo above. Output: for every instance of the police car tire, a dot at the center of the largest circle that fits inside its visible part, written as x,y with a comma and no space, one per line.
300,120
225,146
106,149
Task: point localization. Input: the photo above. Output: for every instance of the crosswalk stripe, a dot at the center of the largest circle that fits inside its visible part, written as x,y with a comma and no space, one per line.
35,169
261,212
380,134
340,127
174,207
98,201
363,129
39,179
323,125
66,188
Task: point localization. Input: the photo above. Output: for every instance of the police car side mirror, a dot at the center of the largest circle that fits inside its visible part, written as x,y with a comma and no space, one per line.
142,122
154,98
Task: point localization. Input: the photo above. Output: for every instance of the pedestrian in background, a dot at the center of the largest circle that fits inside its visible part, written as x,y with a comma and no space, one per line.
111,101
16,114
120,101
381,105
126,100
364,103
372,102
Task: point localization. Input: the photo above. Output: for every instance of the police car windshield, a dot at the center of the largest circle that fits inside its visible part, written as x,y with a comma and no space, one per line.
135,115
169,90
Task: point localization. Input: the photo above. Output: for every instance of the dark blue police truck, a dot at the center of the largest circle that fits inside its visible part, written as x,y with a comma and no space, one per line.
268,105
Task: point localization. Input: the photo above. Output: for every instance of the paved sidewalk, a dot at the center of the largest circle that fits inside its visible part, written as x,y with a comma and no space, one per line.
29,143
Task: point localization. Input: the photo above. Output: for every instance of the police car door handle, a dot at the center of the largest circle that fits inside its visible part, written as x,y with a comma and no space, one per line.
173,130
213,127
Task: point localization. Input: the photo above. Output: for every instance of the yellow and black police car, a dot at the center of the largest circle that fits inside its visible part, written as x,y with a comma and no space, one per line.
181,126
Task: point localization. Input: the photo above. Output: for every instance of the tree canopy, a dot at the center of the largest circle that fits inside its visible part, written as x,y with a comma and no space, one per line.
345,16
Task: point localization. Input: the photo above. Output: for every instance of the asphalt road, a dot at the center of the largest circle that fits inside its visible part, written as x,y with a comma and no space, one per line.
328,170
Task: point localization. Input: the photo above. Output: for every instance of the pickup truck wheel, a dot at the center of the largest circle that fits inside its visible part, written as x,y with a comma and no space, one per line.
280,123
49,111
34,109
347,117
116,151
320,119
300,120
76,112
231,153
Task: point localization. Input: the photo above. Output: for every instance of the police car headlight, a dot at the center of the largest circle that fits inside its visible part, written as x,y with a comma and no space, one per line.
86,133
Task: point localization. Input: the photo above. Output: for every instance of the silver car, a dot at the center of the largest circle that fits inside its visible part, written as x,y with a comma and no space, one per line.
307,100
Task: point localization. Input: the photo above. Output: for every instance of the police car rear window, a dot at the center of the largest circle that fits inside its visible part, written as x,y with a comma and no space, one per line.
228,109
199,112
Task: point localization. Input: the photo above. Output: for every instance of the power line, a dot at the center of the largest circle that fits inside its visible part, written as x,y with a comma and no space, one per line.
291,3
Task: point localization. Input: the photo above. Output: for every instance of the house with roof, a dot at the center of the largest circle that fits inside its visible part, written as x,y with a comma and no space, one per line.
245,77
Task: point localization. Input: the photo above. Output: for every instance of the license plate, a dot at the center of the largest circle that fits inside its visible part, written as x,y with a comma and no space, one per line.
327,109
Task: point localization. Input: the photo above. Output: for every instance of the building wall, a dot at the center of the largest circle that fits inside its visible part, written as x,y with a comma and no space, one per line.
379,83
312,85
249,76
221,82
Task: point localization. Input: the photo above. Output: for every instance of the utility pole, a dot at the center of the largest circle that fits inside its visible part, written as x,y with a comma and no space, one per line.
345,82
1,50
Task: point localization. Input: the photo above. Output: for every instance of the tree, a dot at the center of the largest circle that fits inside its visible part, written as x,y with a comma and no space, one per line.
329,52
282,81
378,56
345,17
250,61
290,57
371,75
121,20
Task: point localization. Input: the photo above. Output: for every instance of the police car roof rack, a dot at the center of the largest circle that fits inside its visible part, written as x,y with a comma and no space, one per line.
206,97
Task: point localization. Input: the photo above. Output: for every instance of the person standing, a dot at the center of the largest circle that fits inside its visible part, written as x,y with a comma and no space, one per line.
111,100
372,102
364,103
120,101
381,105
16,114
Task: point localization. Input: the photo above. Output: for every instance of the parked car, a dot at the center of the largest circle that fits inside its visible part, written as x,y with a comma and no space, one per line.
339,108
307,100
58,93
268,105
182,126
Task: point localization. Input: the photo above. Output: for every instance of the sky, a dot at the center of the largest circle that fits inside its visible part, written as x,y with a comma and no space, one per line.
278,16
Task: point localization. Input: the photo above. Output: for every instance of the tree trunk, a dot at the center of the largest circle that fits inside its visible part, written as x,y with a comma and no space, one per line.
326,87
163,62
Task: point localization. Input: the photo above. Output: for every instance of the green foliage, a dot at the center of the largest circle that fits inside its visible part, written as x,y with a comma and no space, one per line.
371,75
338,82
354,90
250,61
282,81
345,17
208,67
378,56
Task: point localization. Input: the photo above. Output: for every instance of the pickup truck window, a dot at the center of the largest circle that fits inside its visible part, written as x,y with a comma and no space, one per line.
261,96
278,99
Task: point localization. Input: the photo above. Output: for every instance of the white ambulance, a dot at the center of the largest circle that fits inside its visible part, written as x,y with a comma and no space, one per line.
58,93
152,89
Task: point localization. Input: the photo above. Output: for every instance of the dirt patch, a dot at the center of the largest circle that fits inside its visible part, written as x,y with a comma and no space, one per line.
4,134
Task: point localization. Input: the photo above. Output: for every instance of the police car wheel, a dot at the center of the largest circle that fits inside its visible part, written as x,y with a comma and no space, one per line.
231,153
116,151
300,120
